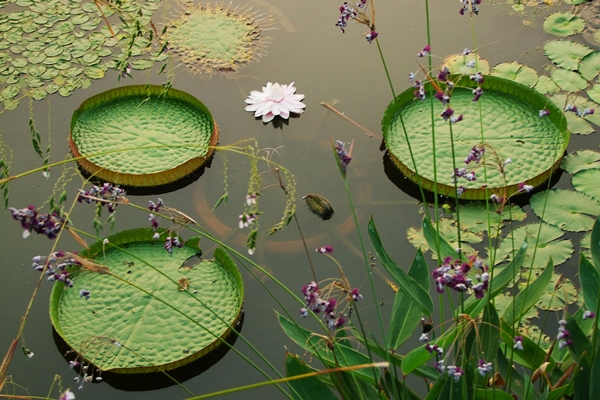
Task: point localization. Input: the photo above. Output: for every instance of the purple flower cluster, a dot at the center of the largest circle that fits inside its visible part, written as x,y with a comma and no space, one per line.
518,343
31,220
478,77
453,274
425,52
477,93
543,113
455,372
342,155
55,266
154,207
316,304
172,241
463,173
483,367
448,114
525,188
106,194
475,155
470,5
347,12
324,249
580,113
563,335
420,92
588,315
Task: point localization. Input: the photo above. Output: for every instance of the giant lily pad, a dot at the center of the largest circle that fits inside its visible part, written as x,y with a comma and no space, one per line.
142,135
563,24
150,311
570,210
512,128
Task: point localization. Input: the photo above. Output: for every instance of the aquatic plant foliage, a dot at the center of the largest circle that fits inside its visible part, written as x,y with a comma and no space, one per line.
214,37
58,46
512,127
151,311
563,24
168,134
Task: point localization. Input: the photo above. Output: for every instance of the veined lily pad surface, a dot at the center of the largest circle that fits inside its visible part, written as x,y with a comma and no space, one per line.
151,312
142,135
511,126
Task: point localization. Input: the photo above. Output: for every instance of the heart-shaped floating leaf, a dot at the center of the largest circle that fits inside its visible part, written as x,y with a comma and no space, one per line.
563,24
152,311
575,123
545,85
594,93
466,65
474,217
566,54
589,67
447,231
586,181
570,210
516,72
557,294
513,128
568,80
547,246
580,160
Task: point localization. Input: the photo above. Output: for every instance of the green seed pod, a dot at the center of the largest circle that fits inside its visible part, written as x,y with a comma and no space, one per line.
319,206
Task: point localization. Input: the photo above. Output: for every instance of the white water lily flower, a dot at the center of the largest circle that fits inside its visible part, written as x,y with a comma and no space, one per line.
275,99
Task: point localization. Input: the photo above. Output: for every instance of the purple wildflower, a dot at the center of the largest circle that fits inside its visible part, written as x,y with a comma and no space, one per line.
342,155
518,343
84,293
447,113
371,36
356,296
543,113
484,367
44,224
426,50
588,315
324,249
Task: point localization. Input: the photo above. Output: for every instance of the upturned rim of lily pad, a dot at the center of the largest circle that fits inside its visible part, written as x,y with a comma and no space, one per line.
150,166
399,154
137,317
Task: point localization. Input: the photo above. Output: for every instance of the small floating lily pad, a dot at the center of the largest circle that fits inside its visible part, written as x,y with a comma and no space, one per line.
566,54
569,210
474,217
517,137
589,67
151,311
586,181
568,80
594,93
466,64
149,136
545,85
581,160
547,246
563,24
516,72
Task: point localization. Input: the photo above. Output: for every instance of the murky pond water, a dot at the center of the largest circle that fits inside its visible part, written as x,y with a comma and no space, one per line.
327,66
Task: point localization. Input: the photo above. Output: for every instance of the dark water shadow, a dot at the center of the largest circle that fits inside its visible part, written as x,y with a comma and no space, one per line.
155,380
153,190
412,189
